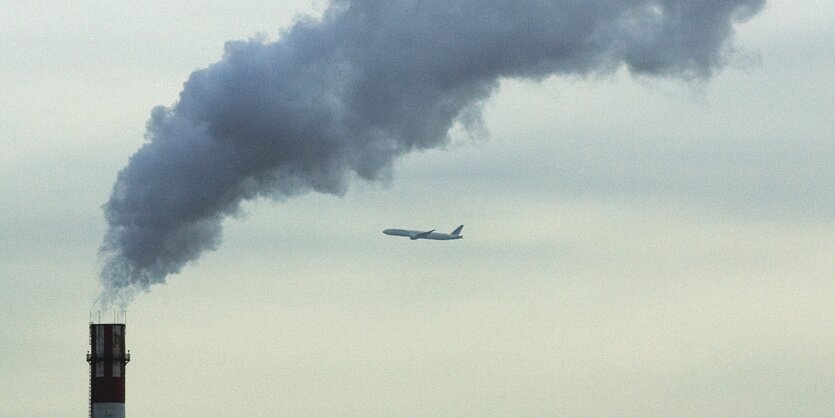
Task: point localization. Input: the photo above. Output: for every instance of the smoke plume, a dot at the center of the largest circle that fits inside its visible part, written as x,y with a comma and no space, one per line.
342,96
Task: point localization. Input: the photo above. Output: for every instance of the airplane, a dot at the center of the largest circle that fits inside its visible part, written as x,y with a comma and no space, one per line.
430,234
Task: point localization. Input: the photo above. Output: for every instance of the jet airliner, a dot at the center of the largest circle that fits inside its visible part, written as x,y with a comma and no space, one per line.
430,234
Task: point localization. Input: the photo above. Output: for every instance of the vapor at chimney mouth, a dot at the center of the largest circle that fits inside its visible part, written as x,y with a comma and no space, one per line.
343,96
108,316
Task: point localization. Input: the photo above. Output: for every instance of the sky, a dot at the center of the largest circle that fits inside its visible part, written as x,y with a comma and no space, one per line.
634,245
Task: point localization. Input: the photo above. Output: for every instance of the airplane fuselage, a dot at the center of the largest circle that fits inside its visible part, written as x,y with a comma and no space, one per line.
421,234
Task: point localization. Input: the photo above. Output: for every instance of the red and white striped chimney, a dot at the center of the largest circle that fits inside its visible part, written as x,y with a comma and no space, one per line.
107,358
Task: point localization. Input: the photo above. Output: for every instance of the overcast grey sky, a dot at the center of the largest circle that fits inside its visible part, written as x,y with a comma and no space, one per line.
633,245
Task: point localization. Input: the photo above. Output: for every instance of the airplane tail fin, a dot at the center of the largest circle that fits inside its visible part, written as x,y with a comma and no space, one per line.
458,230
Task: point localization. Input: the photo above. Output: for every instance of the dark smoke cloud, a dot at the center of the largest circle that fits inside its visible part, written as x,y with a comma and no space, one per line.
344,95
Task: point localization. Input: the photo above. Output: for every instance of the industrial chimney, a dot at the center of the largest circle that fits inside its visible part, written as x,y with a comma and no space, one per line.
107,358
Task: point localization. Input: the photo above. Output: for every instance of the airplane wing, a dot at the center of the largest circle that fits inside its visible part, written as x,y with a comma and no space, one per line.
423,234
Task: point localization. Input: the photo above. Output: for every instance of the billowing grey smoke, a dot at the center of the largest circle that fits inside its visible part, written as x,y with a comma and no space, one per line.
344,95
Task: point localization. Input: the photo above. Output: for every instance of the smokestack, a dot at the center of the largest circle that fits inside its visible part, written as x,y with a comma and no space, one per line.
107,358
